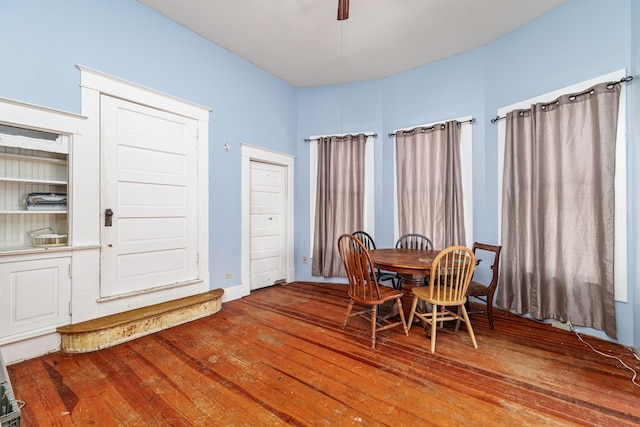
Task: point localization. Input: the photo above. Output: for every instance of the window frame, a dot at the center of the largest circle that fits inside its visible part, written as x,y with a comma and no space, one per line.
369,185
620,237
466,164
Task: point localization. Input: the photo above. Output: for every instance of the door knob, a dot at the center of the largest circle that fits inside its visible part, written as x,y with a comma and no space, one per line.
108,214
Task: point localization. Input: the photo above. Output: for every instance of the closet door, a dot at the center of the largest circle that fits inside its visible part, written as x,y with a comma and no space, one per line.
268,224
149,204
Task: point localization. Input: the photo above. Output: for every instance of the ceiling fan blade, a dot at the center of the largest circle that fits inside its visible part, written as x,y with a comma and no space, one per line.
343,10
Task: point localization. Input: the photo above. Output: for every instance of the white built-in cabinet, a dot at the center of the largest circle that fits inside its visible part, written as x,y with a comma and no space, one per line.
35,245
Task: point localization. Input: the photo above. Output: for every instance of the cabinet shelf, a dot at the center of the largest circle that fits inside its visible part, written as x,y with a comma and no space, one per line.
30,249
32,181
30,158
33,212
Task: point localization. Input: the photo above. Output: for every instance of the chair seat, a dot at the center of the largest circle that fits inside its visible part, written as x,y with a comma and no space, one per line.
383,276
422,292
477,289
386,293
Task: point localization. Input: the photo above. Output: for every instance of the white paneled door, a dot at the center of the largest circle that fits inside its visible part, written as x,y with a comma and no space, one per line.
149,198
268,223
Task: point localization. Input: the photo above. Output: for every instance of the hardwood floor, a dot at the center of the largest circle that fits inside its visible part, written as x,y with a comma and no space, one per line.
279,357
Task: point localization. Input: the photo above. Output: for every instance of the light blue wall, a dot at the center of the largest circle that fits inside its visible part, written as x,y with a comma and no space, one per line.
578,41
41,42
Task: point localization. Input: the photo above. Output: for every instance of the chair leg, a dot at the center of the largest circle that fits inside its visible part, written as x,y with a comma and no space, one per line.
434,316
346,319
490,311
414,304
374,311
469,328
401,312
468,307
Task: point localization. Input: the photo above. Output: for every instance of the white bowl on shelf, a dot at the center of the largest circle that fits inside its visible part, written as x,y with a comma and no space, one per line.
45,237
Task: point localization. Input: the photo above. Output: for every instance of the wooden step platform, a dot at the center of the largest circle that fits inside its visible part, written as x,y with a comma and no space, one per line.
121,327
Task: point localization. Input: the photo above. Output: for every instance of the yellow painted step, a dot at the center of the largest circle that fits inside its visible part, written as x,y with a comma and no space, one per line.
117,328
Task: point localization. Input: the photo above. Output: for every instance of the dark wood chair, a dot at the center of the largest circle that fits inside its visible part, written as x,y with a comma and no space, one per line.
451,273
485,292
364,289
368,242
414,241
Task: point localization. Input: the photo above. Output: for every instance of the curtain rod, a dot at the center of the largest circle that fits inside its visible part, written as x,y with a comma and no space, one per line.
471,120
626,79
375,135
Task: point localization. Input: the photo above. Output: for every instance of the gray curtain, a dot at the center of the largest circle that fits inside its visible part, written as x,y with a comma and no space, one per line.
558,209
339,199
429,183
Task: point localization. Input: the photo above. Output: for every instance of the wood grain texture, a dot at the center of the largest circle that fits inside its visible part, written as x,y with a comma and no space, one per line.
280,357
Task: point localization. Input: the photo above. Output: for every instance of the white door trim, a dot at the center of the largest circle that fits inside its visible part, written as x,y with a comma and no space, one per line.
250,153
120,88
87,213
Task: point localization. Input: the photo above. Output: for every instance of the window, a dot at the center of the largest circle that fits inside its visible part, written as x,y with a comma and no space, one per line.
466,156
620,239
369,207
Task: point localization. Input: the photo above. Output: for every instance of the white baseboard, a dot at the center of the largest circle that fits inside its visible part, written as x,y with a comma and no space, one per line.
30,348
234,292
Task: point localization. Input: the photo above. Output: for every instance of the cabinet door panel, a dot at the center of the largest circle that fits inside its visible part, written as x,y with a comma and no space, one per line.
34,294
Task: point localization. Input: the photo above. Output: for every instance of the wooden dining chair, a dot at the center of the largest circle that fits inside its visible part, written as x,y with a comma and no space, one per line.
451,273
364,289
368,242
485,292
414,241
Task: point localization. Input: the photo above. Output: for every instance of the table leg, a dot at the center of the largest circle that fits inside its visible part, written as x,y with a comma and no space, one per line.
407,282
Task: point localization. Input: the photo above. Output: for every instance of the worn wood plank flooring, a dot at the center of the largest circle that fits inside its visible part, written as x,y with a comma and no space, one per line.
279,357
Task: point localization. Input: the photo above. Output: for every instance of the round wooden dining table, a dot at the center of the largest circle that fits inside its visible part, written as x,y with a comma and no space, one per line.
412,265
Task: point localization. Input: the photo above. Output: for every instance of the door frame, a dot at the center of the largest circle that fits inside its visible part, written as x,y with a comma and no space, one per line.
251,153
87,215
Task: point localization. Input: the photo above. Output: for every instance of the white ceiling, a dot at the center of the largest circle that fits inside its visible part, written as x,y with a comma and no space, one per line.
302,42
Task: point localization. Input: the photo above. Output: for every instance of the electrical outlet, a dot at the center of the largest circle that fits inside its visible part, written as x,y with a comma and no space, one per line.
228,275
304,259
